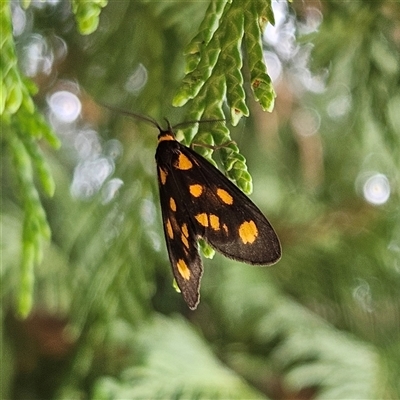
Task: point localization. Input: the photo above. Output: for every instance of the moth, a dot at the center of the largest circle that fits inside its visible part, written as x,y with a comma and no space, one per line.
199,201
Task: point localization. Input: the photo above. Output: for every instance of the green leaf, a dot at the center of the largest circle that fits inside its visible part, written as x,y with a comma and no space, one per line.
206,249
194,372
87,14
214,75
215,53
260,81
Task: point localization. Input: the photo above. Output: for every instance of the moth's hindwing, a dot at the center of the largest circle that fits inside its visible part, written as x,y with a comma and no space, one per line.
197,200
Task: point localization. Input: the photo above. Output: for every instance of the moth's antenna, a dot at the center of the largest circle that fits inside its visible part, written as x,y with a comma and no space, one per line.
168,125
153,121
143,118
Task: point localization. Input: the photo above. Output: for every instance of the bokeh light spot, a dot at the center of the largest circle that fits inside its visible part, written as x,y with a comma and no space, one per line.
110,189
65,106
137,79
89,176
376,189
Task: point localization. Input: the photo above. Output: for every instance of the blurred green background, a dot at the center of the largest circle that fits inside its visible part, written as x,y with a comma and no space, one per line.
105,320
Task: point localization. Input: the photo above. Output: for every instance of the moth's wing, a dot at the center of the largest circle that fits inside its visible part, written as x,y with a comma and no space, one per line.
235,225
197,200
180,234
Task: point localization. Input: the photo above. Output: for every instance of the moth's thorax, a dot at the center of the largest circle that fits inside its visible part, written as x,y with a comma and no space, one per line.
167,149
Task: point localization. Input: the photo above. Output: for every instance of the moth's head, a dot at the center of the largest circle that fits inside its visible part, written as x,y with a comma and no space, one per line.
166,135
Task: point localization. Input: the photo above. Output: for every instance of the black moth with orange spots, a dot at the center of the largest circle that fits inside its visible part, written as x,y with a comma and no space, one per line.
198,201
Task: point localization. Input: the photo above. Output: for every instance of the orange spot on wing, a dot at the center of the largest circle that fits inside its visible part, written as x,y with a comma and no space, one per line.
225,196
172,204
196,190
214,222
185,235
248,232
169,229
183,269
185,230
163,176
202,219
185,241
183,162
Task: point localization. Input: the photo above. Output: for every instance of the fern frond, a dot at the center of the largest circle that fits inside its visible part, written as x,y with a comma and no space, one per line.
193,373
299,347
